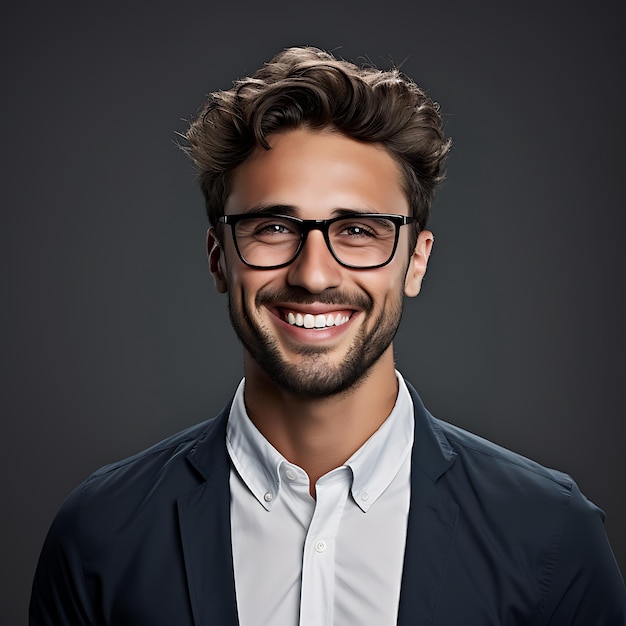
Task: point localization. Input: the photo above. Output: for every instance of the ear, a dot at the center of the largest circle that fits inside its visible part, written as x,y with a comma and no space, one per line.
215,254
418,263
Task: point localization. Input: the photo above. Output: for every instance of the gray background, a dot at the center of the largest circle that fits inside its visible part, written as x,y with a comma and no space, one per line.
112,334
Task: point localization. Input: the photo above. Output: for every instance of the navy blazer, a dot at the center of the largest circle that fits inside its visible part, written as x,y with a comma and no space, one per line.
492,538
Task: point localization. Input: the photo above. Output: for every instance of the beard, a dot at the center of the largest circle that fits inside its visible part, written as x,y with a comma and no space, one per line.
314,375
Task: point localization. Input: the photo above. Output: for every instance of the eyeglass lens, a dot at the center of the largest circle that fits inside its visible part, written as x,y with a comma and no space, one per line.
266,241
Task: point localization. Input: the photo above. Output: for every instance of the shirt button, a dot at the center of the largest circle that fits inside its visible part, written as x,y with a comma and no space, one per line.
320,546
291,475
267,497
365,496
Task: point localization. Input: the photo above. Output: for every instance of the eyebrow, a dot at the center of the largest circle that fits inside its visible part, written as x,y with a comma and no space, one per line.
292,211
274,209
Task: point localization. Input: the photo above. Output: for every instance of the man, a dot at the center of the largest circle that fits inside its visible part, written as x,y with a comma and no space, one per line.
324,493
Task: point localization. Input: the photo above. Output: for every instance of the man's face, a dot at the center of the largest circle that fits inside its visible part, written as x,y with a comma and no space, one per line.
317,175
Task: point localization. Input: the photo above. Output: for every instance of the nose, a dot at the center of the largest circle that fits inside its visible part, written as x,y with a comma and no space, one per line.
314,269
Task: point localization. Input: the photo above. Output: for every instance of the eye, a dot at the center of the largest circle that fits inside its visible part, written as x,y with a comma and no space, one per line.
273,228
268,229
356,230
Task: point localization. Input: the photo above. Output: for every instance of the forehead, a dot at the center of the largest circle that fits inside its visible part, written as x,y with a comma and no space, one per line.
316,173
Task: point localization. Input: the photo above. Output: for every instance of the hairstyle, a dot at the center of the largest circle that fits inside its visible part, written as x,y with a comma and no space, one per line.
307,87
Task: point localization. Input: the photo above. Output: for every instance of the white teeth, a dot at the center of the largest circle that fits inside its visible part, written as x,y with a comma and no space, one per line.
316,321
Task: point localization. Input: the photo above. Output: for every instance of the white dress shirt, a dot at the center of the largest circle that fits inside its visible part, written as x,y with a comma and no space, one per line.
334,560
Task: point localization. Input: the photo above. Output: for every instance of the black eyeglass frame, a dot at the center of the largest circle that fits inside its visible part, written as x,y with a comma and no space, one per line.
306,226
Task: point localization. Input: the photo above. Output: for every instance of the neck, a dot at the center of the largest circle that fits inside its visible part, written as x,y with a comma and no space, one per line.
320,434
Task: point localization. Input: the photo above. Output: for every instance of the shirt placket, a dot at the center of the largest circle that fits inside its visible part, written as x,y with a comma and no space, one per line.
318,563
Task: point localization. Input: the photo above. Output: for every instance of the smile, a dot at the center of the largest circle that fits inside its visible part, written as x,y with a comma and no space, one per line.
316,321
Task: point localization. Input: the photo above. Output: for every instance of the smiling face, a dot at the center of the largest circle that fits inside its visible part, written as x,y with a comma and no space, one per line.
316,328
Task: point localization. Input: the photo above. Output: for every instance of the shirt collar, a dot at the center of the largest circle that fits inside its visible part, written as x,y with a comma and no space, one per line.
373,465
254,457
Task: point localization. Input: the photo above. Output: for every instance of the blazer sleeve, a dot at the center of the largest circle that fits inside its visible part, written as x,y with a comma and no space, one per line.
587,585
59,594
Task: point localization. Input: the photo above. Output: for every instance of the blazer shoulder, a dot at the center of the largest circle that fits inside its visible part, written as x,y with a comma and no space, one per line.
123,518
538,524
501,489
148,481
172,446
488,458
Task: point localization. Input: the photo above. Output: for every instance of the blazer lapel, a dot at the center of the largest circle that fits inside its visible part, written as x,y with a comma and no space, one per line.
204,517
432,520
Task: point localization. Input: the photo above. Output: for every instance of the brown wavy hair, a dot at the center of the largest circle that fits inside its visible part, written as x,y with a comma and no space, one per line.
307,87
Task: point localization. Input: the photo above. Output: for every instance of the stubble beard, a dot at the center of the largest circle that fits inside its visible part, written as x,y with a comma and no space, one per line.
313,376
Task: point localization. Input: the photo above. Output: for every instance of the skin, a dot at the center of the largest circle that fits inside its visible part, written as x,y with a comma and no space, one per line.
312,420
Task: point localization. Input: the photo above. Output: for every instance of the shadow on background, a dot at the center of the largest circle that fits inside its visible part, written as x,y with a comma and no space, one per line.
113,336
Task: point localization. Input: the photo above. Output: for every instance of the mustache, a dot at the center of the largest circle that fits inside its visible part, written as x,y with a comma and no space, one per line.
297,295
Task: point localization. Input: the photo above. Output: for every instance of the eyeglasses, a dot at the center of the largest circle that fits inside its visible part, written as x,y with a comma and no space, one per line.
357,241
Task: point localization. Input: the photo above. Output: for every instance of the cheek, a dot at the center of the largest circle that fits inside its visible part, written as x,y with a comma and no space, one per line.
386,291
386,282
246,283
